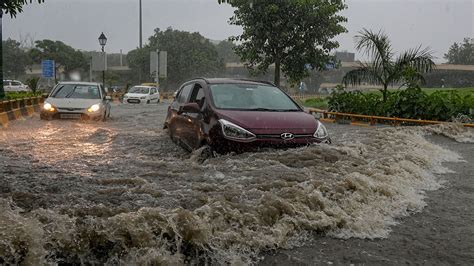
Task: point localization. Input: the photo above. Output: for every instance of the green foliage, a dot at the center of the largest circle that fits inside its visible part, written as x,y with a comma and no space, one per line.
289,34
383,68
409,103
13,7
320,103
33,83
20,95
226,52
190,55
15,59
462,53
63,55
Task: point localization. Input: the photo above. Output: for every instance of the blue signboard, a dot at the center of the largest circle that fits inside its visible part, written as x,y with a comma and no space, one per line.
48,68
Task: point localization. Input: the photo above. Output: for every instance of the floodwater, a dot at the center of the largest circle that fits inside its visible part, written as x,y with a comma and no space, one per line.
121,192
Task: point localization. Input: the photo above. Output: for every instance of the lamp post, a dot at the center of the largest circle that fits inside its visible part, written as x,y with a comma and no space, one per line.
103,42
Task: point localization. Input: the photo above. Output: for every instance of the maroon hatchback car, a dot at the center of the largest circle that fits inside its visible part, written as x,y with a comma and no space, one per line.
239,115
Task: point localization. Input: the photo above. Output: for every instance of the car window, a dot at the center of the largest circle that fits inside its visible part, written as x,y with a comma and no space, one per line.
184,93
139,90
77,92
153,91
198,95
6,83
15,83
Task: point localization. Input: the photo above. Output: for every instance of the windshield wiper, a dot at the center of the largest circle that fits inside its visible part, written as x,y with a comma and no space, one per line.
273,110
261,109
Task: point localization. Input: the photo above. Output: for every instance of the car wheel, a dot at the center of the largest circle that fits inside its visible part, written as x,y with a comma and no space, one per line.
148,102
204,153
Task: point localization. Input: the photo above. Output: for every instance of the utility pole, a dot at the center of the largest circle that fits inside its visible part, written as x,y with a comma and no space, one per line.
140,40
2,91
141,27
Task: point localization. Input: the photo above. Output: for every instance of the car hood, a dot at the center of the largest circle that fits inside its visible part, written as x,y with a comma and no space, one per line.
138,95
72,103
262,122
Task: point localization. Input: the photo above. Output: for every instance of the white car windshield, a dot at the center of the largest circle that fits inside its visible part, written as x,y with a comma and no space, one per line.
77,91
139,90
251,97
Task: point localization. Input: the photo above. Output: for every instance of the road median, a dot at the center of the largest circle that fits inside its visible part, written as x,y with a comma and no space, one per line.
16,109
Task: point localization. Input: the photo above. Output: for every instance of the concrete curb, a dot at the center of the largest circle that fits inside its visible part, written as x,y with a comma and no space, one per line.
17,109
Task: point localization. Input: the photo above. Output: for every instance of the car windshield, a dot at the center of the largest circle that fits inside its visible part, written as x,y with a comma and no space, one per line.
251,97
139,90
77,91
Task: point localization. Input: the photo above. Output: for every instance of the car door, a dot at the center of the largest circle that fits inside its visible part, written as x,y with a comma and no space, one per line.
192,122
175,122
7,86
153,94
16,86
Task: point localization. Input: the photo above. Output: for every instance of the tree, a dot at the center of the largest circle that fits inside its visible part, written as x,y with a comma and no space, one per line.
226,52
295,35
462,53
382,68
15,59
64,56
12,7
190,55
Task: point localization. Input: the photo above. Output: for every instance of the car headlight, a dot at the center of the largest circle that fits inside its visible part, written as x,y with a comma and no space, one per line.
94,108
143,97
234,132
48,107
321,131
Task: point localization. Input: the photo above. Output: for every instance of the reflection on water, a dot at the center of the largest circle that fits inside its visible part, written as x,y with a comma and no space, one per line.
122,192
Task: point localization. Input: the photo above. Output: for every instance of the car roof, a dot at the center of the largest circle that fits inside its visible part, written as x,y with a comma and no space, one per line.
234,81
78,83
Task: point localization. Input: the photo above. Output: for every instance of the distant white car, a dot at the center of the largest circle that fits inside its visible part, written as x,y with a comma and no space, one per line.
15,86
77,100
142,94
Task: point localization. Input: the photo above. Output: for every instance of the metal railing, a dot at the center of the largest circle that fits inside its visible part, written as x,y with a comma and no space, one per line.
372,120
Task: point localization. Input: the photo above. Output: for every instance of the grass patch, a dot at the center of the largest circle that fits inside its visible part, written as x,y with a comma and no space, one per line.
320,103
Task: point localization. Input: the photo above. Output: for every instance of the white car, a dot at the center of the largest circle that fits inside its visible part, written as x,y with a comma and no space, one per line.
142,94
77,100
15,86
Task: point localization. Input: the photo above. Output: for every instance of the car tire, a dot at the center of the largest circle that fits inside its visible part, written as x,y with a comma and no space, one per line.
206,153
148,102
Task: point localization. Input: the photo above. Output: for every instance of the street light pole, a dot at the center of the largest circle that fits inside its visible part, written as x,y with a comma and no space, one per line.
103,42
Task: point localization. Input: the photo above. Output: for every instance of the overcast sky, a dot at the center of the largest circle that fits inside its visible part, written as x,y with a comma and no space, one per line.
409,23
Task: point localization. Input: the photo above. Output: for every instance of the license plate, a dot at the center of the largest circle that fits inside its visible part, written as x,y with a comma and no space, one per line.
70,116
134,101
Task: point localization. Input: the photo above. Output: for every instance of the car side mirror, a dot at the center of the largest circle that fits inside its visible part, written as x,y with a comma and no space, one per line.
108,98
190,108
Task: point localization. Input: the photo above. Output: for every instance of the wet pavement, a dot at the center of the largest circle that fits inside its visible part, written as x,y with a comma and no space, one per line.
123,192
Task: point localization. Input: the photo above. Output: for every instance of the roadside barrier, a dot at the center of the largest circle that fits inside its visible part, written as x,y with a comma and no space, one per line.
16,109
366,120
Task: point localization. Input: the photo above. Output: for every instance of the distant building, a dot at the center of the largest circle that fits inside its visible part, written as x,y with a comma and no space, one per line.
345,56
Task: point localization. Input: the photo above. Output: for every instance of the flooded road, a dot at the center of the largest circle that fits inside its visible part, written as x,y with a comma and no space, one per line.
122,192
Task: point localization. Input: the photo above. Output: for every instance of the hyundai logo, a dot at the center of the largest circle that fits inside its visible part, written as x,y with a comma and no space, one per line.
287,136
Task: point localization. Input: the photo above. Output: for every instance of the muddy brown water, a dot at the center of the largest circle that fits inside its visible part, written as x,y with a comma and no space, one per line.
121,192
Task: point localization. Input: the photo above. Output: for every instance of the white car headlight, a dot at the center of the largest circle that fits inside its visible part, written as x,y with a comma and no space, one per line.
94,108
321,131
234,132
48,107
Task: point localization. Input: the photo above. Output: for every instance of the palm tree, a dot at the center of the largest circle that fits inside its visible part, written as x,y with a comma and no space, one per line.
383,69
